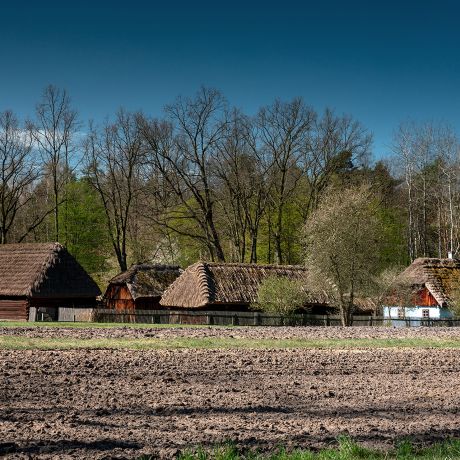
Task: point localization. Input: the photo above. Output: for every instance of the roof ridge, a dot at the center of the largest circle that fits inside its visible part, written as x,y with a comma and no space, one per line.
203,278
246,264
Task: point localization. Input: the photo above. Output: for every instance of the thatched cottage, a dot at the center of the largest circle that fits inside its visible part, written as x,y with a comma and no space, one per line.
431,283
140,287
42,277
226,286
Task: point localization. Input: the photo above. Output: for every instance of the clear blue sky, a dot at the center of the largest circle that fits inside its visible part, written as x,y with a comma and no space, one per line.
383,63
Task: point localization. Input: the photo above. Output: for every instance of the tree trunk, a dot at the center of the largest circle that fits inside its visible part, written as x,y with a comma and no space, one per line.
278,232
122,260
253,259
215,238
56,215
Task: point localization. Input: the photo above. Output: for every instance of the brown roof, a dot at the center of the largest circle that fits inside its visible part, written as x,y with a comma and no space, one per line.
147,280
439,276
206,283
43,270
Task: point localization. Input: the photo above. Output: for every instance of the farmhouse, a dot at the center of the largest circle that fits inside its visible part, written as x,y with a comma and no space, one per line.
140,287
42,279
227,286
431,283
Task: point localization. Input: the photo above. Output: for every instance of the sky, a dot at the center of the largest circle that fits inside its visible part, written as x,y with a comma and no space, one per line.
381,62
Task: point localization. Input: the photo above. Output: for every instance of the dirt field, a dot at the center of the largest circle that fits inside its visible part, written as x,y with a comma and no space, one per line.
234,332
122,404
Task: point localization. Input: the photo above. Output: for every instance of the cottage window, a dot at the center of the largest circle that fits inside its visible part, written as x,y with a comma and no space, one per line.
401,313
425,313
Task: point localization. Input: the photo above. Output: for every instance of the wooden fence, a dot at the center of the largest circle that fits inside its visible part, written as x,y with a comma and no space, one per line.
61,314
227,318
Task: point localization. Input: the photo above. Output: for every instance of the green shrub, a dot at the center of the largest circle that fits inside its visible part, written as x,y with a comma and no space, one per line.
280,295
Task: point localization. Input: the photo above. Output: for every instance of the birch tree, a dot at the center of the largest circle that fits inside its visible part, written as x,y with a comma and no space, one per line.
429,158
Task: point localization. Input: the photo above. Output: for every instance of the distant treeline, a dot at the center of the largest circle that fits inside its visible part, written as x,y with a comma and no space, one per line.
208,181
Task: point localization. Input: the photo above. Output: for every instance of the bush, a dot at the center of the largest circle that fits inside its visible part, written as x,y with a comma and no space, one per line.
280,295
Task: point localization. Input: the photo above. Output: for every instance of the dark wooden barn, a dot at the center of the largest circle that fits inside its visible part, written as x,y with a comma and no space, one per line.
140,287
42,277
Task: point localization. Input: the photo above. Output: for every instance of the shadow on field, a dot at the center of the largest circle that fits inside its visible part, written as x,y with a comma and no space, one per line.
393,412
61,446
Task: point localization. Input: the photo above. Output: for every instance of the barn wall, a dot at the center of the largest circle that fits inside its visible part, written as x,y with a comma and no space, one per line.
14,309
118,297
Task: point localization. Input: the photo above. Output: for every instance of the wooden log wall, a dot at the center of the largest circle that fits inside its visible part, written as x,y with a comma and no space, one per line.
15,310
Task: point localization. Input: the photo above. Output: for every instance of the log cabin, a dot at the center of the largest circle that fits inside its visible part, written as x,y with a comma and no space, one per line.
140,287
42,277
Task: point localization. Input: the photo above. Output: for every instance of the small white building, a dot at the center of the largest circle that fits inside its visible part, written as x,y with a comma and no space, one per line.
432,281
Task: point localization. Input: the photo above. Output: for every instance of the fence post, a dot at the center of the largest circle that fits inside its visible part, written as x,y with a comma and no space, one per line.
209,319
235,321
256,318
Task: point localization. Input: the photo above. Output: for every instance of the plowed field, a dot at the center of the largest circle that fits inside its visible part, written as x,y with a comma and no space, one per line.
125,403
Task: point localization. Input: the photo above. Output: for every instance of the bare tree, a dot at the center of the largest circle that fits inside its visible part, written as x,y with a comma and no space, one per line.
53,132
114,157
181,151
284,135
335,143
403,147
18,173
244,184
342,244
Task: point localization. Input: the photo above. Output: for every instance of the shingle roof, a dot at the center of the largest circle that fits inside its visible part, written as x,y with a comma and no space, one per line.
42,270
206,283
147,280
439,276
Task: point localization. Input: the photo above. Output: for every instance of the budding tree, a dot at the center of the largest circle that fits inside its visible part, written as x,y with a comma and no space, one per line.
342,244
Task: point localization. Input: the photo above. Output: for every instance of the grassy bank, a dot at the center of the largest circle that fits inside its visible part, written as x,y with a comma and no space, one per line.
12,342
347,450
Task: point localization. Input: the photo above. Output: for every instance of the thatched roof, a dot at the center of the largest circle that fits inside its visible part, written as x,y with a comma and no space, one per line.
147,280
439,276
207,283
43,270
